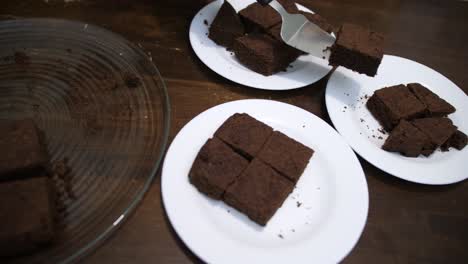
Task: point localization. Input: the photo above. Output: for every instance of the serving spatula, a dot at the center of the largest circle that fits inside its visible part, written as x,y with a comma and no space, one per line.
298,32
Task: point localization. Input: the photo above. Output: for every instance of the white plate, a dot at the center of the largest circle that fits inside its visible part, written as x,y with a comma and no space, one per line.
347,89
332,193
305,70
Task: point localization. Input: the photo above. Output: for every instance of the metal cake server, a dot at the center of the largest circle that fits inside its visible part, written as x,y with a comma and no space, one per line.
297,31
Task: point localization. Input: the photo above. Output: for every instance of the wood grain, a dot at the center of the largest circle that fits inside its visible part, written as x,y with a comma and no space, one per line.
407,223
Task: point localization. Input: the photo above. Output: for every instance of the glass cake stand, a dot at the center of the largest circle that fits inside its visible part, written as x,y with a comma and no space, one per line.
104,111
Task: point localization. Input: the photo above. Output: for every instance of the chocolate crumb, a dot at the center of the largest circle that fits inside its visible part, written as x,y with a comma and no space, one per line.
132,81
362,120
373,136
205,22
280,236
298,204
22,59
366,96
380,137
292,230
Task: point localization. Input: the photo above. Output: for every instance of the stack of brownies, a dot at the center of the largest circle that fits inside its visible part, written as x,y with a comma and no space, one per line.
254,35
416,119
249,166
27,194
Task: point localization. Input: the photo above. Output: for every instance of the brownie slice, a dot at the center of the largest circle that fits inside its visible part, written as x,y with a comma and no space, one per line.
27,215
391,104
244,133
258,192
407,140
435,105
358,49
258,18
215,168
286,155
458,140
263,54
438,129
22,149
226,27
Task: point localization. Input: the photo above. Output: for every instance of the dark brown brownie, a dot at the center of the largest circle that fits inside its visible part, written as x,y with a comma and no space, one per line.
286,155
258,18
435,105
263,54
22,149
358,49
391,104
407,140
226,27
438,129
27,215
458,140
244,133
258,192
215,168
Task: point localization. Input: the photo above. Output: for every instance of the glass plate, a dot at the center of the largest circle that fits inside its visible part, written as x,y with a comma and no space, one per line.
104,111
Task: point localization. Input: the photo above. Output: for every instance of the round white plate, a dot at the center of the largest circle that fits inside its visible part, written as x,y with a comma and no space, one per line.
320,222
305,70
346,97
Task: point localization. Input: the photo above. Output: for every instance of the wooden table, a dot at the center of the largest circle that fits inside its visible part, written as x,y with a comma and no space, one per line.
407,223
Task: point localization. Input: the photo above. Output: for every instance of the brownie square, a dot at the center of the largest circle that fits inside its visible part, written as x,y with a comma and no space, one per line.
287,156
391,104
358,49
438,129
244,133
258,192
407,140
263,54
258,18
27,215
226,27
458,140
215,168
435,105
22,148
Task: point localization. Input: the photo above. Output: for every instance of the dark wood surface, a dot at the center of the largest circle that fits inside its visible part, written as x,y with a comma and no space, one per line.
407,223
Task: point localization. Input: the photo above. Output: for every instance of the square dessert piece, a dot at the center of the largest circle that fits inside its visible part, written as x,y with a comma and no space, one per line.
358,49
22,149
435,105
27,213
258,192
215,168
438,129
226,27
391,104
287,156
407,140
258,18
263,54
458,140
244,133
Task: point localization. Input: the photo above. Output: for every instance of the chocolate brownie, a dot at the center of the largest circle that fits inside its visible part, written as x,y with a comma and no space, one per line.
258,18
435,105
226,27
215,168
244,133
22,149
358,49
263,54
438,129
391,104
407,140
258,192
286,155
458,140
26,214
